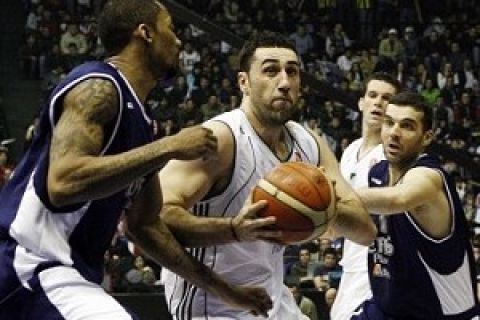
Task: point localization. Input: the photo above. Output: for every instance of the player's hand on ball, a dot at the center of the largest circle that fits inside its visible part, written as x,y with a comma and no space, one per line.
194,142
247,226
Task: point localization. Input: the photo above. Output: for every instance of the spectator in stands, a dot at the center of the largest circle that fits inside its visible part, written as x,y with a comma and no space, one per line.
456,57
431,91
390,49
445,73
465,109
189,56
188,114
33,18
73,36
303,41
411,46
211,108
467,78
337,41
201,93
302,270
305,304
345,61
328,274
179,91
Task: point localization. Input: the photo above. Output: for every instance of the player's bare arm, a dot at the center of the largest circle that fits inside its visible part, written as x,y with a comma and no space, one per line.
420,193
78,173
351,220
207,178
156,240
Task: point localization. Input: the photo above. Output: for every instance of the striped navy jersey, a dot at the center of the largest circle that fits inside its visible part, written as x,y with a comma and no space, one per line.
416,276
76,235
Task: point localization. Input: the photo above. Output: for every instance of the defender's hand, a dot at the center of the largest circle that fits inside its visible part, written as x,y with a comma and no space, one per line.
194,142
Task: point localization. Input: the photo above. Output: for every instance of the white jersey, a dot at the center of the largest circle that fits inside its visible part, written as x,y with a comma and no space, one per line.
354,286
355,171
258,263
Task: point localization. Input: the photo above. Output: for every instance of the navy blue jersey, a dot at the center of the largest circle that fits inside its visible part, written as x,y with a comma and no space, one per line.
415,276
77,235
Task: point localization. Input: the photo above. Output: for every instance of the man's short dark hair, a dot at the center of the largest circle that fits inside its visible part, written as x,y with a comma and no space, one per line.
417,102
264,39
385,77
119,18
330,251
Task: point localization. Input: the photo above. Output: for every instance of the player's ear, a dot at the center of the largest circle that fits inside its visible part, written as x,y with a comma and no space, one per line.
243,82
143,31
427,137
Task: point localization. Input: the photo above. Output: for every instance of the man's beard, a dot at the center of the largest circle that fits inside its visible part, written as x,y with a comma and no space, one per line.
276,118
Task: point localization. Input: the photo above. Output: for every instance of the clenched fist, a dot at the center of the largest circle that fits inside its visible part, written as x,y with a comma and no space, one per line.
193,143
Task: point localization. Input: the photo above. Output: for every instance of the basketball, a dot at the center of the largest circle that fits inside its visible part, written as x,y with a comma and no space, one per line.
301,198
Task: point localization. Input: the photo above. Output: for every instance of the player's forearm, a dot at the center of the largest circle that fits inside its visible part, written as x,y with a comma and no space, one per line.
353,222
88,178
383,200
192,231
160,245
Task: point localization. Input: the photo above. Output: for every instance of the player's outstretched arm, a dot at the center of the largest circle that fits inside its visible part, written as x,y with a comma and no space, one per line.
184,183
352,219
421,193
149,231
77,171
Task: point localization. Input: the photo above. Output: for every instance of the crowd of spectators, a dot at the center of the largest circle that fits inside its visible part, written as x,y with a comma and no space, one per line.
433,49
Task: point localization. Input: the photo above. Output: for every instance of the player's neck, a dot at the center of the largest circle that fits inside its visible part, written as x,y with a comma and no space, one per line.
397,170
136,74
273,137
270,135
371,139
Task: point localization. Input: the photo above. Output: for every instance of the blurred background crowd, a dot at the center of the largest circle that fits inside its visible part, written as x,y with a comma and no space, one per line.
430,46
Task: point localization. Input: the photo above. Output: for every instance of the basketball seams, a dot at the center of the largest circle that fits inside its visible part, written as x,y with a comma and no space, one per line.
301,171
316,216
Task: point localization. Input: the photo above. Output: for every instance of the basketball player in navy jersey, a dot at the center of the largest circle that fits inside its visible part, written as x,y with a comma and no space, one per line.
421,263
93,158
212,212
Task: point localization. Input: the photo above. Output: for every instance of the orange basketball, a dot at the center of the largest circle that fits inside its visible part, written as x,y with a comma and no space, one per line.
300,196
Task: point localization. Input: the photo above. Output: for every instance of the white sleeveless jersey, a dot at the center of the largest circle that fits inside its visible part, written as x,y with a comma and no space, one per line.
258,263
355,171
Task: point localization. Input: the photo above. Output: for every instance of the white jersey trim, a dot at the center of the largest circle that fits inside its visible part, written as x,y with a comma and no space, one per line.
452,213
453,290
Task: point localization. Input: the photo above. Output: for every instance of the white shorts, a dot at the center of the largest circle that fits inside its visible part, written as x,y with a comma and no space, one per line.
354,289
78,299
287,310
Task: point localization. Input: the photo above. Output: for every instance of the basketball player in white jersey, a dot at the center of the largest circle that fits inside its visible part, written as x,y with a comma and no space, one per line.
207,203
357,159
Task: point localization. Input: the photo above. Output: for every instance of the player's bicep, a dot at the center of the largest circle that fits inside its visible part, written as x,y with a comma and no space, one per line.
185,182
419,187
87,109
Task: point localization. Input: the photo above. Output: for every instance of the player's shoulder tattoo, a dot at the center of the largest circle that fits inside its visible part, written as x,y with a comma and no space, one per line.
96,98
